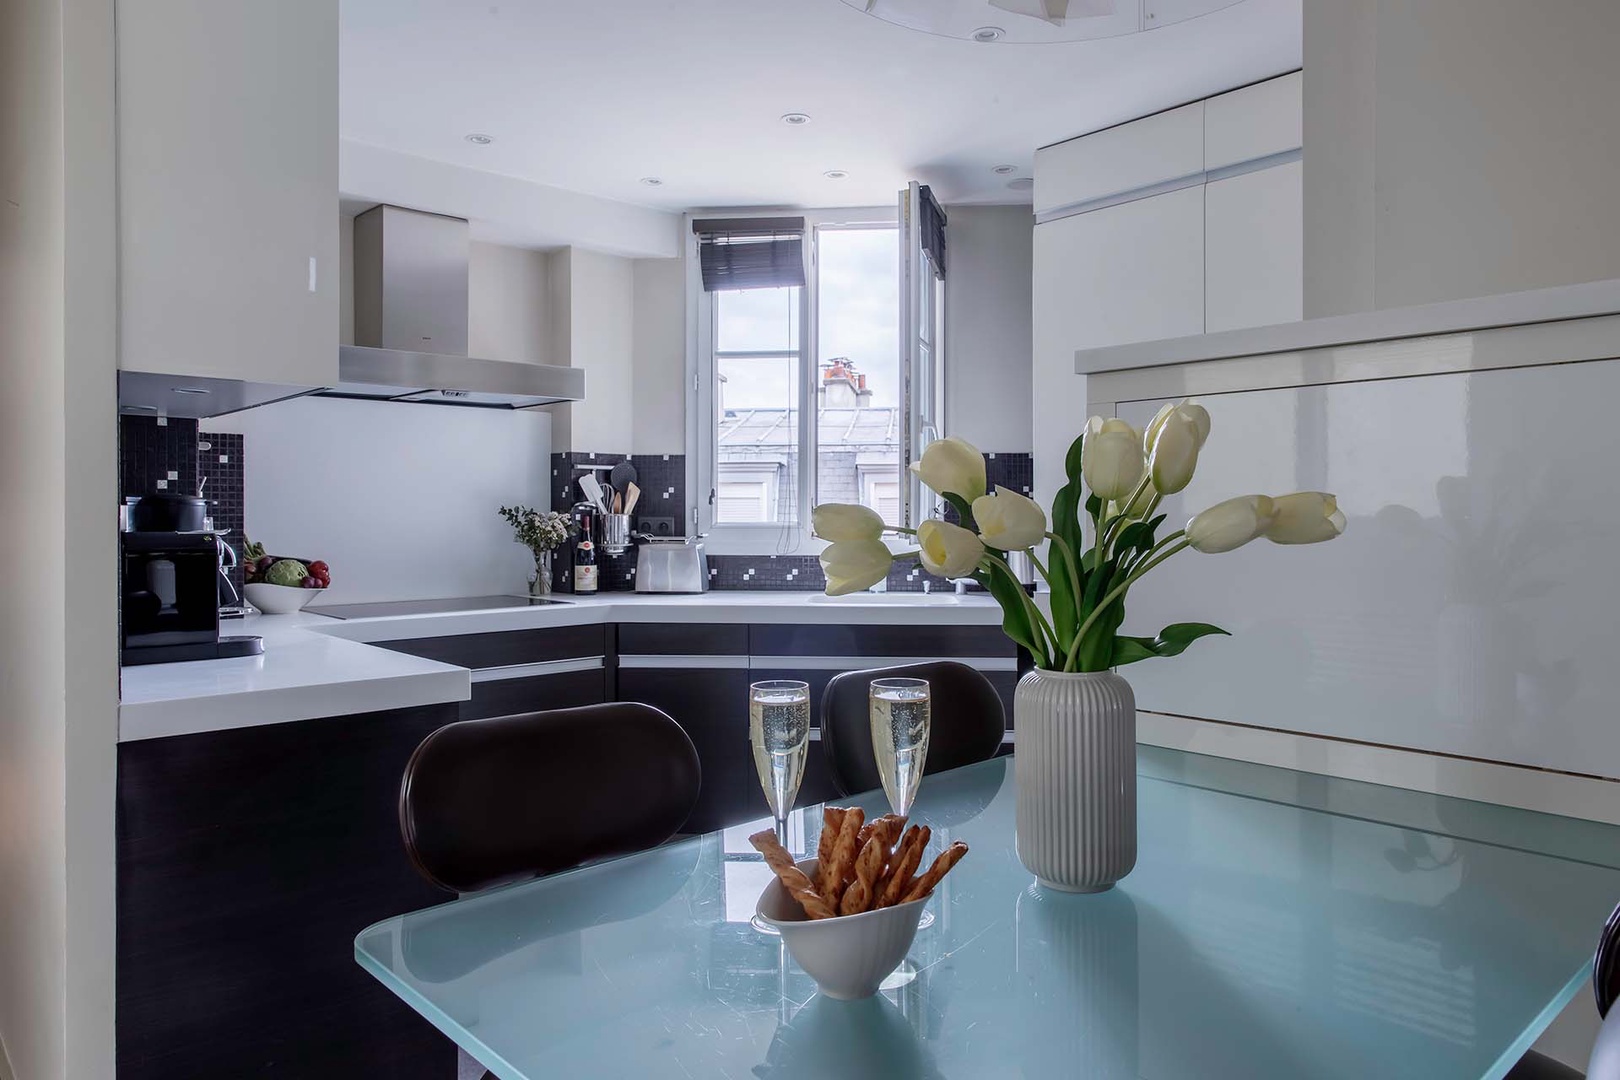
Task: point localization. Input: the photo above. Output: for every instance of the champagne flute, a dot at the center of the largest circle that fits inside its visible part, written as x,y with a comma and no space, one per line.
779,730
900,730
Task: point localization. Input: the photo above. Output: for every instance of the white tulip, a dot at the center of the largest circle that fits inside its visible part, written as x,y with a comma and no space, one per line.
853,565
952,466
1188,409
1305,517
1009,521
1174,455
1112,462
1231,524
845,521
947,550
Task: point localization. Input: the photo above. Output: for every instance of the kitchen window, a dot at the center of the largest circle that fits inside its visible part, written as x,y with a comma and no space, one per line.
796,310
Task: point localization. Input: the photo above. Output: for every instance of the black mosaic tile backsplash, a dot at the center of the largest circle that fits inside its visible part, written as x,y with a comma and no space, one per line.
662,479
173,456
157,454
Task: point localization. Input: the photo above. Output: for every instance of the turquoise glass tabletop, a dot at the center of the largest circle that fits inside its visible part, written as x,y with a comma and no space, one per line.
1277,924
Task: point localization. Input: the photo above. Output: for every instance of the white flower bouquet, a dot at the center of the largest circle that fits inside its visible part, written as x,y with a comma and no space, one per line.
1127,473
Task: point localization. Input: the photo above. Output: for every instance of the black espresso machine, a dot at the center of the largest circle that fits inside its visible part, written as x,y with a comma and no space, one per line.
170,602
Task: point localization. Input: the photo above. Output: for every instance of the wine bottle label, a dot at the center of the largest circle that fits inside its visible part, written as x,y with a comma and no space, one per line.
584,579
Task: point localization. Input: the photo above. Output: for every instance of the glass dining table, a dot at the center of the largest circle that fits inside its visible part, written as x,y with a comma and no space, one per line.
1278,924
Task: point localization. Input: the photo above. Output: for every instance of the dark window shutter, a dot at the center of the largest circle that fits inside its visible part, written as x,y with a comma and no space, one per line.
932,229
750,253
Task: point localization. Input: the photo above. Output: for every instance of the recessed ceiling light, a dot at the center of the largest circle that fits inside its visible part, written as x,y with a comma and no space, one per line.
795,119
192,390
986,34
1004,170
652,181
140,408
835,174
1023,183
479,140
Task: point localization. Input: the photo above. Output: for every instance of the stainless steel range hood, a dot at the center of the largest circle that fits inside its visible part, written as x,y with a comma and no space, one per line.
410,323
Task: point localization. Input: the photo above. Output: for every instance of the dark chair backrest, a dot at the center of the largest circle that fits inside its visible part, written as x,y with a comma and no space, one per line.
1606,964
966,715
490,801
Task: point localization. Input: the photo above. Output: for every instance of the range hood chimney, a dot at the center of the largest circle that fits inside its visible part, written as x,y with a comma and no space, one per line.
410,323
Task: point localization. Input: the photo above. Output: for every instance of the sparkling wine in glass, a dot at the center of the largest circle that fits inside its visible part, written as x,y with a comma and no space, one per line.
779,729
900,727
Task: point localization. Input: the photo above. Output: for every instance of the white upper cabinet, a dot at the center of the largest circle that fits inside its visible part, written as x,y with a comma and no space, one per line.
1165,146
1254,266
1253,123
228,186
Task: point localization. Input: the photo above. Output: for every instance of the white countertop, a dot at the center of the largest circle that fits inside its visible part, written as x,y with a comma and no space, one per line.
316,666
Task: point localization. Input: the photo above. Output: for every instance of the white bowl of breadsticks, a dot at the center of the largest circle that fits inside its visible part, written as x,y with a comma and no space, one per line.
848,916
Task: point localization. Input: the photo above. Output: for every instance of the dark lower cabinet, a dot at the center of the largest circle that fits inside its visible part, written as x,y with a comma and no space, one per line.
247,862
712,705
563,690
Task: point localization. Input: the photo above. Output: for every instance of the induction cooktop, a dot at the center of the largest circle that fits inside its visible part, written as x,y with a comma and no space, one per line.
431,607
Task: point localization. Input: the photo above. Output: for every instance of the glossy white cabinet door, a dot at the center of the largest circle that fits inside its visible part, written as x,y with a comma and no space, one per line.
1165,146
1470,607
1254,122
227,189
1254,231
1132,272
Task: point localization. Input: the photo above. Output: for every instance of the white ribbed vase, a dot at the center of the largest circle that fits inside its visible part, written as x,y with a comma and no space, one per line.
1076,771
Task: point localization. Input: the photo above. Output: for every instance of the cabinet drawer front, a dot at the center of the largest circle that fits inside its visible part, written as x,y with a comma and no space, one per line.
1140,154
508,697
508,647
1254,122
925,642
693,639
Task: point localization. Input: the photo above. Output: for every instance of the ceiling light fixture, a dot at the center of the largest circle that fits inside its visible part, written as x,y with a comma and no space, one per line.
835,174
1023,183
652,181
795,119
479,140
192,390
1004,170
1033,22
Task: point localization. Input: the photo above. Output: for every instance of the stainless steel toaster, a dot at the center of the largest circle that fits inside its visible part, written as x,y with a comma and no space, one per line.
671,564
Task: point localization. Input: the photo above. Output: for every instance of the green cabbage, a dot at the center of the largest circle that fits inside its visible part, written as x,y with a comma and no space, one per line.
286,572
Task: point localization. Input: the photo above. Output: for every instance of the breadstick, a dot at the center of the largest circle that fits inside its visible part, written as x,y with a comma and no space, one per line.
905,863
942,866
831,818
858,897
888,829
843,856
794,880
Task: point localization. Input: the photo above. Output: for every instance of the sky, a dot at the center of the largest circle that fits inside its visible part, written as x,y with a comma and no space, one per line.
859,279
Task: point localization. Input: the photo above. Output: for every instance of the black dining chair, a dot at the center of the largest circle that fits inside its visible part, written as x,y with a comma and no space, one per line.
484,802
1605,1060
966,716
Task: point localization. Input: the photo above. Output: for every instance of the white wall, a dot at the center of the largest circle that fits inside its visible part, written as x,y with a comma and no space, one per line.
659,357
1458,148
400,499
508,303
58,684
988,350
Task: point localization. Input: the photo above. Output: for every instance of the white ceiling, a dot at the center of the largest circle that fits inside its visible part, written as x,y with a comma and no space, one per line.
591,95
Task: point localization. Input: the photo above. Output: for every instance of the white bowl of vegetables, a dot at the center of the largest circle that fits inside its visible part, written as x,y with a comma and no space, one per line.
279,585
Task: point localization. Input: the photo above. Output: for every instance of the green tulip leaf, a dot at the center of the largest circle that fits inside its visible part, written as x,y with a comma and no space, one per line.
964,509
1065,605
1066,506
1015,622
1172,641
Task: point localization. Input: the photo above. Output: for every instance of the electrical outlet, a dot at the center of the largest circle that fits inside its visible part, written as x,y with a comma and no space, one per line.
656,526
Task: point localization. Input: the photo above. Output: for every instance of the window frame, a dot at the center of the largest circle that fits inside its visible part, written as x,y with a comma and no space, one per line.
702,414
